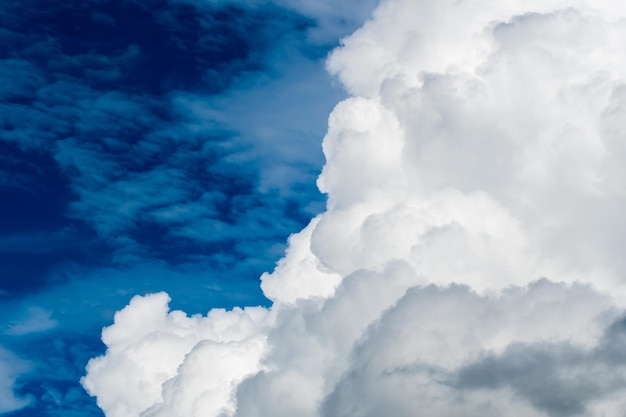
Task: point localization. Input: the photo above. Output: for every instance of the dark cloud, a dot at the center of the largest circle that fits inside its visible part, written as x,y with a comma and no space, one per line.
559,378
540,375
406,359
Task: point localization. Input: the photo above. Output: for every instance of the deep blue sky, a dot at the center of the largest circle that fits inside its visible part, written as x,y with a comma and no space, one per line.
149,145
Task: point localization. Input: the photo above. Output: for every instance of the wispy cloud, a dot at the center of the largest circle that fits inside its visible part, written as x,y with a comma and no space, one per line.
146,170
36,320
10,368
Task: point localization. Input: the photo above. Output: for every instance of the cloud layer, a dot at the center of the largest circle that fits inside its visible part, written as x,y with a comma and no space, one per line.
469,259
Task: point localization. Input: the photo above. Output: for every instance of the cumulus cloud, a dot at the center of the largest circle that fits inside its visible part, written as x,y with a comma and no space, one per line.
147,344
469,259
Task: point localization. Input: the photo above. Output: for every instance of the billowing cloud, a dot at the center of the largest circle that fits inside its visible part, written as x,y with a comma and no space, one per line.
146,331
469,260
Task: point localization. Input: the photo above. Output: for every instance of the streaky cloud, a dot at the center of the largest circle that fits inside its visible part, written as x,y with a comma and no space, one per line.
36,320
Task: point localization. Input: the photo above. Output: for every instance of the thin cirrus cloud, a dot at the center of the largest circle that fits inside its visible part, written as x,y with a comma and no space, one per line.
469,259
36,320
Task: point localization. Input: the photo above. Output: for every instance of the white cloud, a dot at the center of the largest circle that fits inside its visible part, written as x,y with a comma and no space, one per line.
147,344
469,260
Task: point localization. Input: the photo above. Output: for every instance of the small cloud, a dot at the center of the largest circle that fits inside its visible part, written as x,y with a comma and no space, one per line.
37,320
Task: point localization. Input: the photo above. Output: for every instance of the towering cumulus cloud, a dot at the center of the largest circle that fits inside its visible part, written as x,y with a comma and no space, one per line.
470,260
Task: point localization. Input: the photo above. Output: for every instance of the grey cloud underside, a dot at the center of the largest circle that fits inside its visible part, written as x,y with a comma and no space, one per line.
559,378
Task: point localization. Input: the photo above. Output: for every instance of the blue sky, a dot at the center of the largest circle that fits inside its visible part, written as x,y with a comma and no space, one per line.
146,146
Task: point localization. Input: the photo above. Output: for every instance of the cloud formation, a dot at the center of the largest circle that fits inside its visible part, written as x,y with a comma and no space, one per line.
469,259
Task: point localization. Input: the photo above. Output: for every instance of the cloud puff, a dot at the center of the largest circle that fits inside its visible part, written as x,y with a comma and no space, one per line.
147,345
469,260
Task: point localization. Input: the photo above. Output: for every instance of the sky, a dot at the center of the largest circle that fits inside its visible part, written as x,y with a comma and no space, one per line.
146,146
431,193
